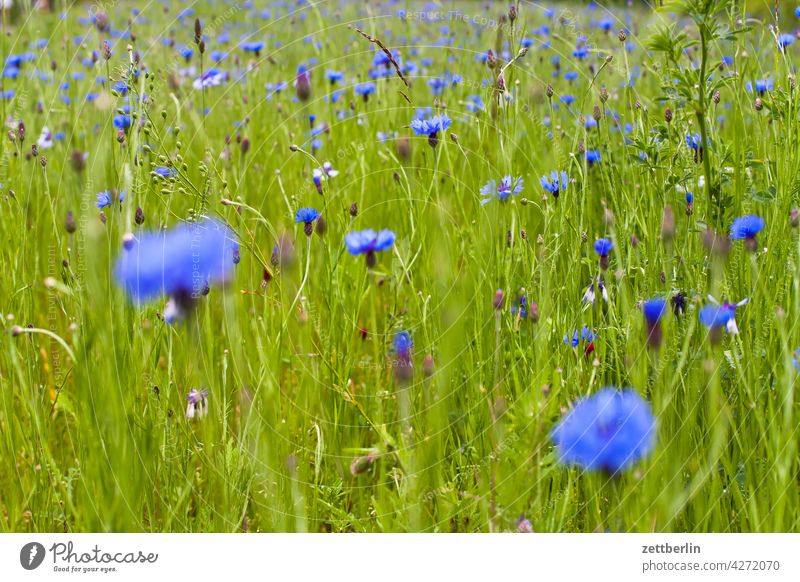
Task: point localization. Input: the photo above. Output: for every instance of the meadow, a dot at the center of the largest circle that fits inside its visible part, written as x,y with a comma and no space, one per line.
399,266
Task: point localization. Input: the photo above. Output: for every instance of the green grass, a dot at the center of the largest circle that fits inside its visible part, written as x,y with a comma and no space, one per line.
100,442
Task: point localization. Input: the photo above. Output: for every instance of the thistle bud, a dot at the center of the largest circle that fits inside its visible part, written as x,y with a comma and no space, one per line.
105,49
499,299
69,223
668,115
622,35
668,225
428,366
603,94
138,218
362,464
596,113
716,97
549,91
101,20
403,147
758,104
78,160
354,209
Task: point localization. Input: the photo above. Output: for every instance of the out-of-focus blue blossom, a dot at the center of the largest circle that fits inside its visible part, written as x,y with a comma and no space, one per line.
607,431
746,227
368,241
178,262
603,246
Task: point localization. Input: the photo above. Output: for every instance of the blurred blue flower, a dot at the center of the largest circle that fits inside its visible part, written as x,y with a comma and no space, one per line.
746,227
608,431
253,47
785,40
402,343
365,89
694,141
716,316
592,157
603,246
178,262
654,310
585,335
165,172
368,241
762,86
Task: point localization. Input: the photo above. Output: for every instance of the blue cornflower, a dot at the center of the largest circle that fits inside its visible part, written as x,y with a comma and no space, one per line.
103,199
120,87
334,76
608,431
580,52
210,78
368,242
694,141
437,85
567,99
165,172
603,246
716,316
307,216
503,191
746,227
592,157
584,335
365,89
253,47
762,86
180,262
785,40
431,127
654,310
402,343
122,121
555,183
474,103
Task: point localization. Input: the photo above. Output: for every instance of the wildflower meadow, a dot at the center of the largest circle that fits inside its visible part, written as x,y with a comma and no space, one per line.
399,266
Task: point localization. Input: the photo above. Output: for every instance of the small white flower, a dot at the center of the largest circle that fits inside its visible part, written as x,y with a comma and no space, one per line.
45,141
